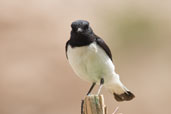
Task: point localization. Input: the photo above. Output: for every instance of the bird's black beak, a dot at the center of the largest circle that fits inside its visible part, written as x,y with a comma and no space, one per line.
79,30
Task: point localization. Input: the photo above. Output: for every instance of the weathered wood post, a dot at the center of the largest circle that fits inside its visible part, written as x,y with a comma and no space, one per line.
94,104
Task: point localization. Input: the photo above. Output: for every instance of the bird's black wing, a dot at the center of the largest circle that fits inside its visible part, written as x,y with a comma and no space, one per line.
66,48
103,45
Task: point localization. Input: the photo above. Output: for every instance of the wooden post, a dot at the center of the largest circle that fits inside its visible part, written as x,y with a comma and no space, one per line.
94,104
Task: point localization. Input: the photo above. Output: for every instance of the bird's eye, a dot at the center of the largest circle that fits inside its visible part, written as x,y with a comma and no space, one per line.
85,27
73,28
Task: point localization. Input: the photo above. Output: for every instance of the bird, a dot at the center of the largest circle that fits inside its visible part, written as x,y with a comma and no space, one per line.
91,60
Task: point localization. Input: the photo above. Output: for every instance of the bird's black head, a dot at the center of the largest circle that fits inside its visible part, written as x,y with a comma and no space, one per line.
81,27
81,33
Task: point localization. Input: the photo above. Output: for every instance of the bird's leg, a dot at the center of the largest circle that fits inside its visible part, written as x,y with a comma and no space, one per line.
91,88
89,91
101,85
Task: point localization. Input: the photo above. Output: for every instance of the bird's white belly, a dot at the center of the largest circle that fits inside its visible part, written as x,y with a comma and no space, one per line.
90,62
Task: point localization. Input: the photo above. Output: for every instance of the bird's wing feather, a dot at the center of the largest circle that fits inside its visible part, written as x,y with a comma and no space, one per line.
103,45
66,48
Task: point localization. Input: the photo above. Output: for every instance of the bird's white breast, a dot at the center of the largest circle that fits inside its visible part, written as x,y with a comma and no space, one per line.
90,62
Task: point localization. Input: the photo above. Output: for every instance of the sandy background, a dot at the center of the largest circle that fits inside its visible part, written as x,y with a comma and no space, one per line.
35,77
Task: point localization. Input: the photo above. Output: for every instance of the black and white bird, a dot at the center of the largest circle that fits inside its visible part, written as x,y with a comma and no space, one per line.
91,60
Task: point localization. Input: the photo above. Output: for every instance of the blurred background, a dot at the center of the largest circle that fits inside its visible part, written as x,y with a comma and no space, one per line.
35,77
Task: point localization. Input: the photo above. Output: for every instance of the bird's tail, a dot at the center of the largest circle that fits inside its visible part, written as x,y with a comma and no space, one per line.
120,92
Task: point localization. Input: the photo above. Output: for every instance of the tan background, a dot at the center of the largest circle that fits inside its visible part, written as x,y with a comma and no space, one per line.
35,77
